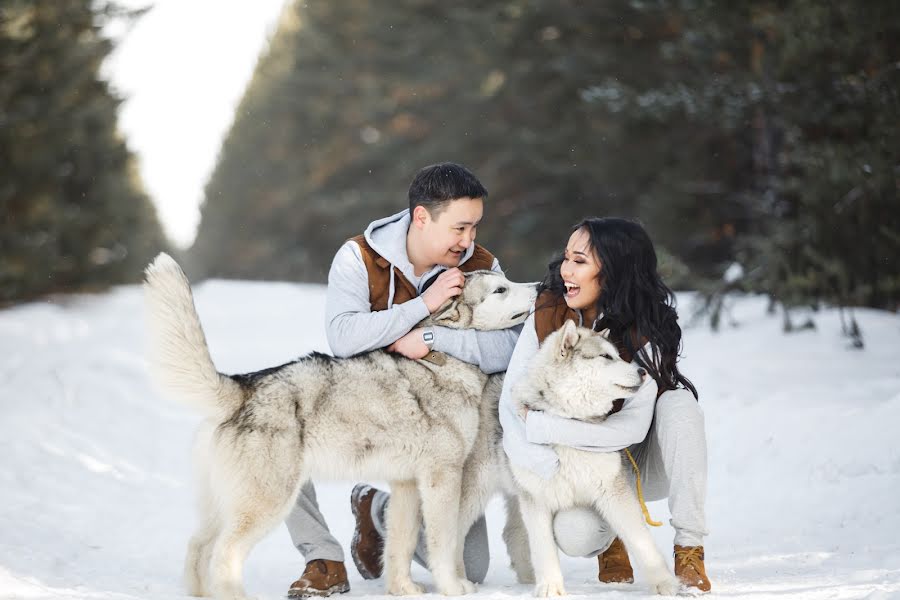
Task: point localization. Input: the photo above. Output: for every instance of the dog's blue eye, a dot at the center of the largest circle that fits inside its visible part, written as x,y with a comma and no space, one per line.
500,290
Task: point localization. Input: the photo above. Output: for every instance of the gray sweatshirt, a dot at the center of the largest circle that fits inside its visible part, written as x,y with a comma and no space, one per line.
352,327
529,443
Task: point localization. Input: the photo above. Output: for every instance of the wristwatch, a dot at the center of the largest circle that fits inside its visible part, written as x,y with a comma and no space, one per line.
428,337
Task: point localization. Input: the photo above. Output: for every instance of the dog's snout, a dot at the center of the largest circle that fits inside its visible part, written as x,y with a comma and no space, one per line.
642,371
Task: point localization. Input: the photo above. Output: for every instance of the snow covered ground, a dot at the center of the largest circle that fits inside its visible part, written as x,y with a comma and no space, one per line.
95,493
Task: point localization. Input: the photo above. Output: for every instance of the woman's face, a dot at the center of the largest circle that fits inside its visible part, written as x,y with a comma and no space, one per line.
580,270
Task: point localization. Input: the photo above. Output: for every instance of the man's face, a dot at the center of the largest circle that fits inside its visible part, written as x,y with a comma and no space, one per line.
448,235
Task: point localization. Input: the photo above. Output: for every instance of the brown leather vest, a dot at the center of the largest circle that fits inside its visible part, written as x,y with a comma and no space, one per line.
379,272
551,312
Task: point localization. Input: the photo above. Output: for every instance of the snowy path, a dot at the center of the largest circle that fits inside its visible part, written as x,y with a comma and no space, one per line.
95,497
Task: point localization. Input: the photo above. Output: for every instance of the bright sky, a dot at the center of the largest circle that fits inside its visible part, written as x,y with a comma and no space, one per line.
183,69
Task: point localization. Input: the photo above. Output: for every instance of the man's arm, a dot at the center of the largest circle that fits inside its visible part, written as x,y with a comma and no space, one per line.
490,350
619,430
350,324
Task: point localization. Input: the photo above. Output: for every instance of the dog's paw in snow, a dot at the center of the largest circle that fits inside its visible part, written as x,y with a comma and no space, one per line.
666,586
406,587
456,587
549,589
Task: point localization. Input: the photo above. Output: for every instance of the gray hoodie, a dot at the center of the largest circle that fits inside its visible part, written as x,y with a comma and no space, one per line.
352,327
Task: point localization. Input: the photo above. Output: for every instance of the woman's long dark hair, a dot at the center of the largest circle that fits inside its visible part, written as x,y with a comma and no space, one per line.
634,301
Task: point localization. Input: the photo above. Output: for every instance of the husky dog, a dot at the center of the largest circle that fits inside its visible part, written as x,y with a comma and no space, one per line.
578,373
485,474
372,416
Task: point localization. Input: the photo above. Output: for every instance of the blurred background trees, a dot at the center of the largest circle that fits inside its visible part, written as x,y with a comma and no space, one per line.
758,133
73,214
763,132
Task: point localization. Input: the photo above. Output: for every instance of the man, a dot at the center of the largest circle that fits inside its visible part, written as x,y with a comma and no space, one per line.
380,286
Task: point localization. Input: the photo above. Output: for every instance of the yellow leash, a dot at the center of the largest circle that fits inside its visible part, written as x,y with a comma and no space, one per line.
640,492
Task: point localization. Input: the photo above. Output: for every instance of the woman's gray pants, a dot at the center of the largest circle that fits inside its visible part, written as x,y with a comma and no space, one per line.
672,461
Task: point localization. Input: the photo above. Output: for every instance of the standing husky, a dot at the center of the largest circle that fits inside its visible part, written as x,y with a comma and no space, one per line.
374,416
578,374
485,473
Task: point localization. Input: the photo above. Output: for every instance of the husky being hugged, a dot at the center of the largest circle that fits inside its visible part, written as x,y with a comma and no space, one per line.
578,374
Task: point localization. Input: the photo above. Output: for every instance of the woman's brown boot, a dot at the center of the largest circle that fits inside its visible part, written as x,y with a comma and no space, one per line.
614,564
689,568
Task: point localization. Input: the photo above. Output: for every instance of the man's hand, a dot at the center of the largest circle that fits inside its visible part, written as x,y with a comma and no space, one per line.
411,345
448,284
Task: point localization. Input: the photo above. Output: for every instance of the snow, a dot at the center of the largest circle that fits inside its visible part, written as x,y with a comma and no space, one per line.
95,492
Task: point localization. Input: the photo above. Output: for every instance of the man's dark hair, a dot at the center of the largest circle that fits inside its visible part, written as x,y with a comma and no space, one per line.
435,186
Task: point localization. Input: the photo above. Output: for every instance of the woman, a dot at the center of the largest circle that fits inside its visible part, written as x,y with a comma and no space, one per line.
607,278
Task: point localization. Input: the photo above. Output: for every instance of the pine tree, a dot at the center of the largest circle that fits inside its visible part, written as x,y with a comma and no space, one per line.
72,211
826,147
758,131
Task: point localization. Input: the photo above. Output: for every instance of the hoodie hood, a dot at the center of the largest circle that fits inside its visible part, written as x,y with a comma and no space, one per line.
387,237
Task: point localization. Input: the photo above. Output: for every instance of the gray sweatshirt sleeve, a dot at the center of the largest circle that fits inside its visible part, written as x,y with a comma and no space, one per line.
620,430
350,324
490,350
538,458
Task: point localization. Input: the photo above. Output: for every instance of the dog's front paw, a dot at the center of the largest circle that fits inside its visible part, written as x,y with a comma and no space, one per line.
196,589
468,586
525,576
549,589
456,587
230,591
405,587
665,585
523,569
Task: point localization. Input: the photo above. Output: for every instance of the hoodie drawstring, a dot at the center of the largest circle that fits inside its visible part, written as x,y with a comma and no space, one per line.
390,300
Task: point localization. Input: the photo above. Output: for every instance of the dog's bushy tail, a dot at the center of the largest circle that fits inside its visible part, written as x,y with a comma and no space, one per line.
179,355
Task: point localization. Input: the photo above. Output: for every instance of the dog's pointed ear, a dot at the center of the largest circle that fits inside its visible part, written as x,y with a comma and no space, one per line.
604,333
448,314
568,338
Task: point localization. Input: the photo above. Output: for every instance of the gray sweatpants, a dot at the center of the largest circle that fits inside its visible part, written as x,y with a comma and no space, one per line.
311,536
672,461
308,529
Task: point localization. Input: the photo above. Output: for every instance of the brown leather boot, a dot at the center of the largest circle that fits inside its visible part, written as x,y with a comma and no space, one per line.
367,546
689,567
614,564
321,578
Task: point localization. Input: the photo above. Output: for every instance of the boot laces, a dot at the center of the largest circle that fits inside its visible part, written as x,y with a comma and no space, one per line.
691,557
